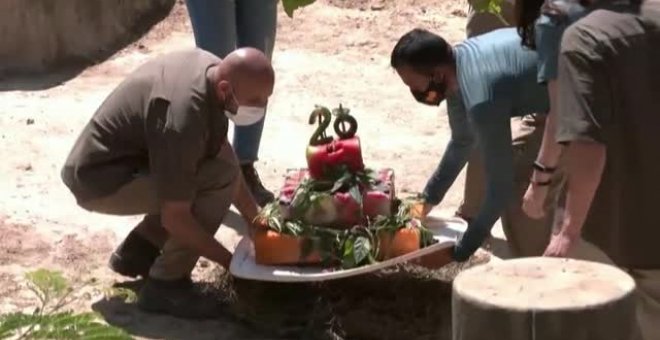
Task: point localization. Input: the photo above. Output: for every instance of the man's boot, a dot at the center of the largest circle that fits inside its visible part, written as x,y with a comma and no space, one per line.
260,193
179,298
134,256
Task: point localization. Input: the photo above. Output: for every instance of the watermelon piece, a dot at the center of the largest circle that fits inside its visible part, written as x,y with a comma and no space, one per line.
348,210
338,152
379,199
341,210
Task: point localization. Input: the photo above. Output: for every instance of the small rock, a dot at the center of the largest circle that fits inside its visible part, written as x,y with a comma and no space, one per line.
29,121
377,6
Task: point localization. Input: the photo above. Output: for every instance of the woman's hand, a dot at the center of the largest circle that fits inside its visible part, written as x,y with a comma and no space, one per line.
560,245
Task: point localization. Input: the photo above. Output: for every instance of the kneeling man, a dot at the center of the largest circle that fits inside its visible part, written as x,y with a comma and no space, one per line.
157,146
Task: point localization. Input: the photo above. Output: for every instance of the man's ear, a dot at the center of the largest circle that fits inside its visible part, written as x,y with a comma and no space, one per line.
222,89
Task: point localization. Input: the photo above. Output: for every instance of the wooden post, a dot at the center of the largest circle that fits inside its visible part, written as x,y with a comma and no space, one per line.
544,299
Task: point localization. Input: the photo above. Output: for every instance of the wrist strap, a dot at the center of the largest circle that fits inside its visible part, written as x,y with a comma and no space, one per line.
542,168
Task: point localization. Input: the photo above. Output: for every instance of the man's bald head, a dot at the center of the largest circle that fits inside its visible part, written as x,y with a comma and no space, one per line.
247,74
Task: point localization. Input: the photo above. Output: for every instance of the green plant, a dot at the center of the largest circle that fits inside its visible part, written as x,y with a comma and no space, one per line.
312,192
352,247
403,218
490,6
308,194
291,5
324,240
48,321
358,247
272,216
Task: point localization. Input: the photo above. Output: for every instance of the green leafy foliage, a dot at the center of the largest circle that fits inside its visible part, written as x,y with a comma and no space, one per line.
350,248
273,216
324,240
404,219
359,246
490,6
63,325
291,5
309,193
312,192
48,322
47,285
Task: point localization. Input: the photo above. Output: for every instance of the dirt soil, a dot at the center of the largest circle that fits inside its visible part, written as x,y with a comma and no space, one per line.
335,51
404,302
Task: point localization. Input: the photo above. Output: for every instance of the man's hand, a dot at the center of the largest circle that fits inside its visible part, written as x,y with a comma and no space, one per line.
534,200
420,210
184,228
259,223
560,245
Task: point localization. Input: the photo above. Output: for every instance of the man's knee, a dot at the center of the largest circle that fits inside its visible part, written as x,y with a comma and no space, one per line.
134,198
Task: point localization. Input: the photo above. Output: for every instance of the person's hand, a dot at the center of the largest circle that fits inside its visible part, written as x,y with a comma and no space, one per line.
436,259
420,210
534,200
560,244
259,223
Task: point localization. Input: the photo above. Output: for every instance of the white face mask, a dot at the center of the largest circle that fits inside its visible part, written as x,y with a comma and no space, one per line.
246,115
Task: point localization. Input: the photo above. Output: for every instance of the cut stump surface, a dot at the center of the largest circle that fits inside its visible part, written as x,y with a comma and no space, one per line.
544,299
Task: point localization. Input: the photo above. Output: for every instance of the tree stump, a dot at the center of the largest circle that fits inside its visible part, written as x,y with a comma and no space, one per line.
544,299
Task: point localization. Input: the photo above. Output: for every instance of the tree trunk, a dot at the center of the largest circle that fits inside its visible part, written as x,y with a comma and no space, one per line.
544,299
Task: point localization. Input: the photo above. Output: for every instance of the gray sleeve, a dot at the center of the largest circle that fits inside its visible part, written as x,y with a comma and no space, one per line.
455,156
492,126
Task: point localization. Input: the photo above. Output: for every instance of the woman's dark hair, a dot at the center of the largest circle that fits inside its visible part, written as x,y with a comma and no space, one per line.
421,50
527,11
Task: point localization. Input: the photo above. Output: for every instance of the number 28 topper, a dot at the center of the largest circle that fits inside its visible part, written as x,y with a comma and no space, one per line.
325,152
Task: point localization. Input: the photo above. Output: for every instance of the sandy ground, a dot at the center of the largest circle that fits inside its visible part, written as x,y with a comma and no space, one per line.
331,52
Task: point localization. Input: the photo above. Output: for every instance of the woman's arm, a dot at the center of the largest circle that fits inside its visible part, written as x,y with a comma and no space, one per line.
548,157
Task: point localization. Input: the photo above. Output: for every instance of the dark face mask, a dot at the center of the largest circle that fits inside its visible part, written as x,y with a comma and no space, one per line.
433,95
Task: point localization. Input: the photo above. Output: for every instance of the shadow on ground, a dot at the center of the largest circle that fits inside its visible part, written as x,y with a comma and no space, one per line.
125,314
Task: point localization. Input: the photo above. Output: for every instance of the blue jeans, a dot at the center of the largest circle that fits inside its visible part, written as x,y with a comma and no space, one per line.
221,26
